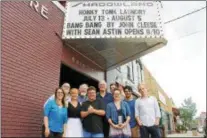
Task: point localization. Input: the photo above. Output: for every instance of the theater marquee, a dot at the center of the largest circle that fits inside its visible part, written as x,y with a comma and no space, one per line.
115,32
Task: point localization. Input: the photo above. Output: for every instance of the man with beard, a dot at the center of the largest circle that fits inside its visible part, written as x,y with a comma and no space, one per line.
82,93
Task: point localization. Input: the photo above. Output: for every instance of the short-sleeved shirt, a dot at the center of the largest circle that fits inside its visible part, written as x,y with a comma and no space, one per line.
93,123
131,104
82,99
57,116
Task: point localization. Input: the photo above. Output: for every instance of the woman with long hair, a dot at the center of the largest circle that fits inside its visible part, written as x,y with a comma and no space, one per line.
74,125
118,115
55,116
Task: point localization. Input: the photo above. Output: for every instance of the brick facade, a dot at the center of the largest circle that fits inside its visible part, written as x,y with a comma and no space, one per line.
31,57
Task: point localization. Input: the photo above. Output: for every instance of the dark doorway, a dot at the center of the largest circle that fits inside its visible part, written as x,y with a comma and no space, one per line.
75,78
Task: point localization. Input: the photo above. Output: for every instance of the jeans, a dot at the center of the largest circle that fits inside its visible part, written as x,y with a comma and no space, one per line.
153,130
92,135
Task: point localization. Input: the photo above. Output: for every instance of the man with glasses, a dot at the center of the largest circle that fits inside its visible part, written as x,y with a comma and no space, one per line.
147,113
131,102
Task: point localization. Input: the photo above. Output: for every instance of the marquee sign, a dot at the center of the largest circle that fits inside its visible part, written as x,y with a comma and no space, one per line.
111,19
116,24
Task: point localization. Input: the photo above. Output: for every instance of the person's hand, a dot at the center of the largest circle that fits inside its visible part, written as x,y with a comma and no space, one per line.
139,123
123,125
47,132
63,135
156,122
117,126
90,109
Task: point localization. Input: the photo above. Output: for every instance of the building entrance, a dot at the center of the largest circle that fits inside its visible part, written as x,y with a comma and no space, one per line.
75,78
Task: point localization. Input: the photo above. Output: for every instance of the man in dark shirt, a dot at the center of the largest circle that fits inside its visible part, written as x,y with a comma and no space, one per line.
92,112
106,97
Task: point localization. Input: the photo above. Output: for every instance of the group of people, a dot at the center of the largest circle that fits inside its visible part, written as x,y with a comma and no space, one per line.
84,112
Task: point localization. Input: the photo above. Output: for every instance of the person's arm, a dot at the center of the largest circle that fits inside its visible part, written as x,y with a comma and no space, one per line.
137,113
157,112
64,129
112,124
128,113
84,112
101,110
65,123
46,113
108,116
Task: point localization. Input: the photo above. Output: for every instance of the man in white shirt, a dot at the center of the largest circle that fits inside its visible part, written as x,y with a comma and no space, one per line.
147,113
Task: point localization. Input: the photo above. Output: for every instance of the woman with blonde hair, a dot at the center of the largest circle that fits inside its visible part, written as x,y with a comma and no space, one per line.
74,125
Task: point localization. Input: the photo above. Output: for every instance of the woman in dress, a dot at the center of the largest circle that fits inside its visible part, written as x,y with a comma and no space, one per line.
118,115
74,125
55,116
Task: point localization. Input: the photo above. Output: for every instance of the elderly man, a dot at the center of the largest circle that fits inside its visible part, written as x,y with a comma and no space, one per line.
82,93
106,97
147,113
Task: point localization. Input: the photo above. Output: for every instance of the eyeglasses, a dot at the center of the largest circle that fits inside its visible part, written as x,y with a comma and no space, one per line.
59,92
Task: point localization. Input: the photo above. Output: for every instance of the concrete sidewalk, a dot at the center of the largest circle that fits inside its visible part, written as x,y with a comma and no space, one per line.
188,134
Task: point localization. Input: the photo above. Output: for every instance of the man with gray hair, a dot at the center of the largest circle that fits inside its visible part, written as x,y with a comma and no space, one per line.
82,93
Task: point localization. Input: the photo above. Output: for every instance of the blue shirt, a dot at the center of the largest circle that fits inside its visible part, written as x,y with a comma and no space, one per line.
57,116
108,98
82,99
131,104
111,111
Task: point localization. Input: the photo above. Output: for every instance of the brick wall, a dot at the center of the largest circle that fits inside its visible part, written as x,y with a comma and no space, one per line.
31,56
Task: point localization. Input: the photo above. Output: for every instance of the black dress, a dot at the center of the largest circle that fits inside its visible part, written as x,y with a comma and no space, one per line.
74,112
74,125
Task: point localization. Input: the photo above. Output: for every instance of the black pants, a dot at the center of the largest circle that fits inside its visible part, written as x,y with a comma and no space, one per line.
153,130
52,134
55,135
106,127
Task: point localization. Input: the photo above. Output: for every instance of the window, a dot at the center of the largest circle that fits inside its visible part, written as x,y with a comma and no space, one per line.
128,73
132,71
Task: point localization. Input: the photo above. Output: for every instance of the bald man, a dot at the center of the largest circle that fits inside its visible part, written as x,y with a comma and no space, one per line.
147,114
